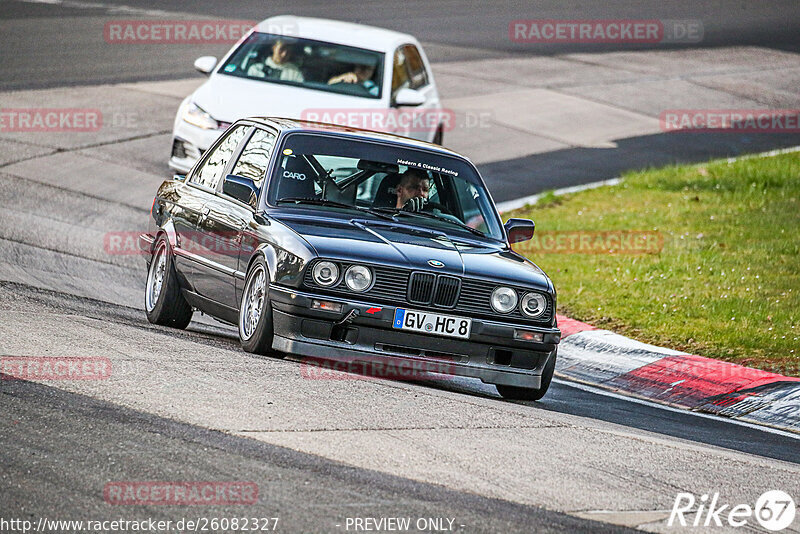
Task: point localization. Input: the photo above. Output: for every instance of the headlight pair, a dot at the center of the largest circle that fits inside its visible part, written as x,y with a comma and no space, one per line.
356,277
505,299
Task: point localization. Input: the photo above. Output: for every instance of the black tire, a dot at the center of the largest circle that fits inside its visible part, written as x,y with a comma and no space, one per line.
255,333
531,394
438,137
166,305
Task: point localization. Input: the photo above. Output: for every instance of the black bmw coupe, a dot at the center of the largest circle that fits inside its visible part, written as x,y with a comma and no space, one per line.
332,242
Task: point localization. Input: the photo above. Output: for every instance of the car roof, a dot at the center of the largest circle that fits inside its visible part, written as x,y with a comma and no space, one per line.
335,31
297,125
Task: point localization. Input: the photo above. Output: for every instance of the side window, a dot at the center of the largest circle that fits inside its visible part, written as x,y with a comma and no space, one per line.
210,172
468,198
399,71
365,194
254,160
416,67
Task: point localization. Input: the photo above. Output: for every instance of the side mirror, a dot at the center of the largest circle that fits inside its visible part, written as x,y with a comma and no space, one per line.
519,230
408,97
242,189
205,64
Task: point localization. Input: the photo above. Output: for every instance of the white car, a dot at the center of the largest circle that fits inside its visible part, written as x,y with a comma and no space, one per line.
312,69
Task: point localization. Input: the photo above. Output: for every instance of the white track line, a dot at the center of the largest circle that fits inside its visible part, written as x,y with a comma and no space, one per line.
509,205
606,393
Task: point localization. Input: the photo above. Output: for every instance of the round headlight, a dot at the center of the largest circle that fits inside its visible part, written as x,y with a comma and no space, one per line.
326,273
504,299
534,304
358,277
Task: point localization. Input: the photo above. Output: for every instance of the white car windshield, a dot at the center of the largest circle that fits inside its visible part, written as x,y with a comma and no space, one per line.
311,64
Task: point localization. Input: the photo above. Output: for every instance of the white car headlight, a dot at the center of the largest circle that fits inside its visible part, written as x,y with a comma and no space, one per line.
504,299
533,305
325,273
194,114
358,277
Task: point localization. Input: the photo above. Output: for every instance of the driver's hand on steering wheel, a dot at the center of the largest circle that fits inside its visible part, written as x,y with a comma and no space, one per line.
415,204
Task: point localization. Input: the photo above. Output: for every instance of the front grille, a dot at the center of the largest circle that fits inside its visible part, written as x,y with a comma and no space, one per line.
428,288
420,288
447,289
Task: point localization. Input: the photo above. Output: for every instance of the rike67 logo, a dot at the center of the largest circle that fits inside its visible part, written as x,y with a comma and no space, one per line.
774,510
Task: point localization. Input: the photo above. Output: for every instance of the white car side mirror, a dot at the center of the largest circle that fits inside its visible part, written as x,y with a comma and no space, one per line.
205,64
408,97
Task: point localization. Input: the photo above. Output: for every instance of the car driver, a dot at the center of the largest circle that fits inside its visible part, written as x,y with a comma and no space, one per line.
413,190
278,65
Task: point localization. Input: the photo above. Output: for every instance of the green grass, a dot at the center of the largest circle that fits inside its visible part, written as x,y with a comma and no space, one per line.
726,283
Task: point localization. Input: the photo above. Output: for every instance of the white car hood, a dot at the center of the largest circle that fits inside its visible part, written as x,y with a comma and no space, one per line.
229,98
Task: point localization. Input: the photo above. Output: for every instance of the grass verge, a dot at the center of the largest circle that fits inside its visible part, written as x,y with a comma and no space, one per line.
726,282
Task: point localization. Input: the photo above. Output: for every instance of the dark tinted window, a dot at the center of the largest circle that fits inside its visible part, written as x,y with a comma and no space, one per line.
254,160
210,171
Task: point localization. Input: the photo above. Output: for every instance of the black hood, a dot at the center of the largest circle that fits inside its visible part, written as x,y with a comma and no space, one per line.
376,241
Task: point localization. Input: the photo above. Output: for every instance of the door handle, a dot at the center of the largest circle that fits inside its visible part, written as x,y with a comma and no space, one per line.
204,213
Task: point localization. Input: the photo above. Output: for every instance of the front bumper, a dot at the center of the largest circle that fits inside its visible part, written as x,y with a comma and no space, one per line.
491,353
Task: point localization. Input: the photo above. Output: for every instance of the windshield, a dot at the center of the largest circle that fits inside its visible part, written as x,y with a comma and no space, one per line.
416,186
311,64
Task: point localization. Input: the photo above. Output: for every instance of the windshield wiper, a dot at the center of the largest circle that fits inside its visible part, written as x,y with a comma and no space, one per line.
378,212
333,203
429,215
315,202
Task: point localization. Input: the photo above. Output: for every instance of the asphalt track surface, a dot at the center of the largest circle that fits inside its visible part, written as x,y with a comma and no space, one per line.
59,446
52,469
38,54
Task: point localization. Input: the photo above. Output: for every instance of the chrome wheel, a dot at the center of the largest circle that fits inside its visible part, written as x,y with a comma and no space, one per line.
254,295
155,277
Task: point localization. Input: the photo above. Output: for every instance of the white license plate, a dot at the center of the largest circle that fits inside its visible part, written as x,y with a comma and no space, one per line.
431,323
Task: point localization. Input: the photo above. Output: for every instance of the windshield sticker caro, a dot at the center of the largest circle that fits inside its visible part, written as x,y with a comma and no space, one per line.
426,167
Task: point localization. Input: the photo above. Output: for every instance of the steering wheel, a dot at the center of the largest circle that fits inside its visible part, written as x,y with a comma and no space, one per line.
270,72
430,206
